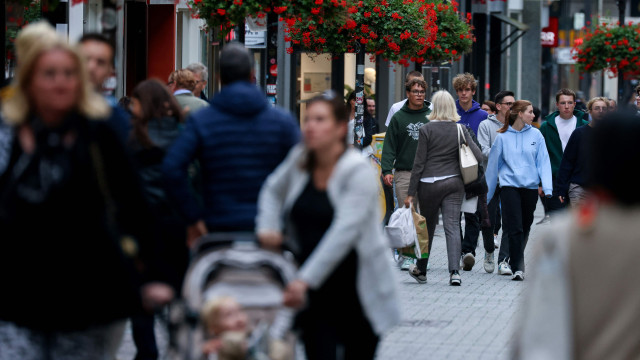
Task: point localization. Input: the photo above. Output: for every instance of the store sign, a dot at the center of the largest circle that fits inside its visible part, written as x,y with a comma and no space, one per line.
254,39
271,89
549,35
564,56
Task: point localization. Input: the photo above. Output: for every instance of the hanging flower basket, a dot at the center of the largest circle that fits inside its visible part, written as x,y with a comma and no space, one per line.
397,30
611,48
227,14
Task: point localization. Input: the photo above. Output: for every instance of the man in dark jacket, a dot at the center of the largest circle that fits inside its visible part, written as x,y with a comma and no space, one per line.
239,140
469,110
471,115
557,130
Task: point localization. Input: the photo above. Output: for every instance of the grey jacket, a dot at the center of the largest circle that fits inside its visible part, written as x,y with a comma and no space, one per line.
190,103
353,193
487,132
438,153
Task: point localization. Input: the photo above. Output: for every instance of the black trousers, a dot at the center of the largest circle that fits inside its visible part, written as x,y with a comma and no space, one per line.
144,337
328,338
495,215
472,231
518,206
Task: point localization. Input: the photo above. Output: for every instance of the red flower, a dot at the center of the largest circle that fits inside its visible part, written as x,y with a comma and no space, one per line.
630,49
376,9
461,36
373,35
444,34
221,12
237,2
279,9
315,11
367,14
396,16
364,28
353,10
351,24
289,50
319,2
453,52
364,41
321,40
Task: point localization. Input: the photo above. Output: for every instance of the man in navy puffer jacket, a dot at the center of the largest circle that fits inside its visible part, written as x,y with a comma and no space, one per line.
239,140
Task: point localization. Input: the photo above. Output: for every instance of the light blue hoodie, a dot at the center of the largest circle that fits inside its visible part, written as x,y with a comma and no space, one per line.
519,159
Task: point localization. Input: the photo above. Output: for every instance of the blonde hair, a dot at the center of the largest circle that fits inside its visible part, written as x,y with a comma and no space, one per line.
34,41
210,313
444,107
596,99
184,79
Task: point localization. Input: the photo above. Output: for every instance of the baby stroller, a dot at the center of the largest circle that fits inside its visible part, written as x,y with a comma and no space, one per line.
232,264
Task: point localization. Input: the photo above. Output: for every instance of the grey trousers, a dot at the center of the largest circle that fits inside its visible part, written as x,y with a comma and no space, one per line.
576,194
446,195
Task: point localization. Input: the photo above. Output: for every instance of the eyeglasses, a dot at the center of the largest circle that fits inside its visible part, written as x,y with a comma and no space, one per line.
509,104
418,92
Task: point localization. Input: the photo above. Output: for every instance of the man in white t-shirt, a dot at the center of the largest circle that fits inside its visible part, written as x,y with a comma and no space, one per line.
557,130
397,106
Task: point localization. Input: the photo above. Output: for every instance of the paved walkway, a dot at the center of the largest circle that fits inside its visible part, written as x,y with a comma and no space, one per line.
473,321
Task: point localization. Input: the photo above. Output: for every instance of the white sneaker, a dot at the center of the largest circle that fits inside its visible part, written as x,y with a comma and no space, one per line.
454,279
496,243
504,269
467,261
518,276
406,264
489,264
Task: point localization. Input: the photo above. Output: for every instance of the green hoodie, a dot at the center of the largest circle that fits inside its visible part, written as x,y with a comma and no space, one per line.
549,130
401,139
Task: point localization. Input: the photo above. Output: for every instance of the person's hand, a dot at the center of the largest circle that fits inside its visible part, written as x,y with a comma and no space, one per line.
407,201
561,199
155,295
388,180
212,346
195,231
294,294
540,191
270,239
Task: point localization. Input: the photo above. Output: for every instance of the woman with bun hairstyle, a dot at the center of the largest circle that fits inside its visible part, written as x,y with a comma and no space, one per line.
519,161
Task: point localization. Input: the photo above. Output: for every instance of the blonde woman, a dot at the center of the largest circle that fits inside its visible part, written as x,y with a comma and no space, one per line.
437,182
67,196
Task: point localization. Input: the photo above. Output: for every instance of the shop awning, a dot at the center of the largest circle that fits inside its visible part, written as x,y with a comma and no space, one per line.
517,27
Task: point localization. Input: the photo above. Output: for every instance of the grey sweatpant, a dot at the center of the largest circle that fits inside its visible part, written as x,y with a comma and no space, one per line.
446,195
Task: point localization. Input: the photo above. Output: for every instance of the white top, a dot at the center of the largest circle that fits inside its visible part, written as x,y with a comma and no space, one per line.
565,129
182,91
431,180
394,109
350,133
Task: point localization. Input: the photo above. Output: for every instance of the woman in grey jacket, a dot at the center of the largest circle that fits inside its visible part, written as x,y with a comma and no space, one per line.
324,198
436,180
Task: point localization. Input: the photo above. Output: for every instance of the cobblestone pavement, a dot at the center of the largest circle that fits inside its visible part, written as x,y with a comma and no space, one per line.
473,321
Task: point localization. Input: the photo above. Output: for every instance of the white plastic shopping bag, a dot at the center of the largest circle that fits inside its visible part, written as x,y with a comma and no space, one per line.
401,231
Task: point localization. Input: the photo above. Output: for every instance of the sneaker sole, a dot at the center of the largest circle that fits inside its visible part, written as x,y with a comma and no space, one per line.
505,273
517,278
415,277
467,263
455,283
492,269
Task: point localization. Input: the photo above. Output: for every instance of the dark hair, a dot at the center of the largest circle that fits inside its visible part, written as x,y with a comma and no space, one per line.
340,113
608,171
413,74
97,37
501,95
236,63
413,82
156,102
565,92
352,96
124,103
518,107
491,105
536,113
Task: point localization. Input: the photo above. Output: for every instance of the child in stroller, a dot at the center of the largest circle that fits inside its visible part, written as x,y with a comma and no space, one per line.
233,294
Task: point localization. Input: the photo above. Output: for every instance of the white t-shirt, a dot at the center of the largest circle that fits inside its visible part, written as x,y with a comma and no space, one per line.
565,129
394,109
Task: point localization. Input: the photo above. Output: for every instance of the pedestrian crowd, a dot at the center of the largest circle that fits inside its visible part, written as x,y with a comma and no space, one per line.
101,201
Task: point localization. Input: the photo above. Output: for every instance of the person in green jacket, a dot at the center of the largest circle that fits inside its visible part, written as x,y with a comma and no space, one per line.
557,130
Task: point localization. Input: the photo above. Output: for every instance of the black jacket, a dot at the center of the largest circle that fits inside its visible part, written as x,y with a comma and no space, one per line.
62,266
575,161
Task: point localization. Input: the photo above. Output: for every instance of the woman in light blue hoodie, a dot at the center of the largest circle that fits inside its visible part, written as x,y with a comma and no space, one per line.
520,161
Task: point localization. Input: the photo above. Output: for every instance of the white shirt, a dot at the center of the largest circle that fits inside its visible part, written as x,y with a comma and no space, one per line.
182,91
394,109
565,129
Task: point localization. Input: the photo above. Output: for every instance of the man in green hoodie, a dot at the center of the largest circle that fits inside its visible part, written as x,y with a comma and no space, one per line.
557,130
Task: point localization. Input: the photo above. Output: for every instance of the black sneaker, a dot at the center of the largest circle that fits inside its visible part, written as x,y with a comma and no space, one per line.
455,280
467,261
417,275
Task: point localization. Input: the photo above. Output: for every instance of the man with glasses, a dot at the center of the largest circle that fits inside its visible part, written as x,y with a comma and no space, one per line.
401,142
487,133
557,130
397,106
572,174
201,74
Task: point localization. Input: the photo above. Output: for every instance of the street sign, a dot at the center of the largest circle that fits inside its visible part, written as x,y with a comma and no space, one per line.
254,39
